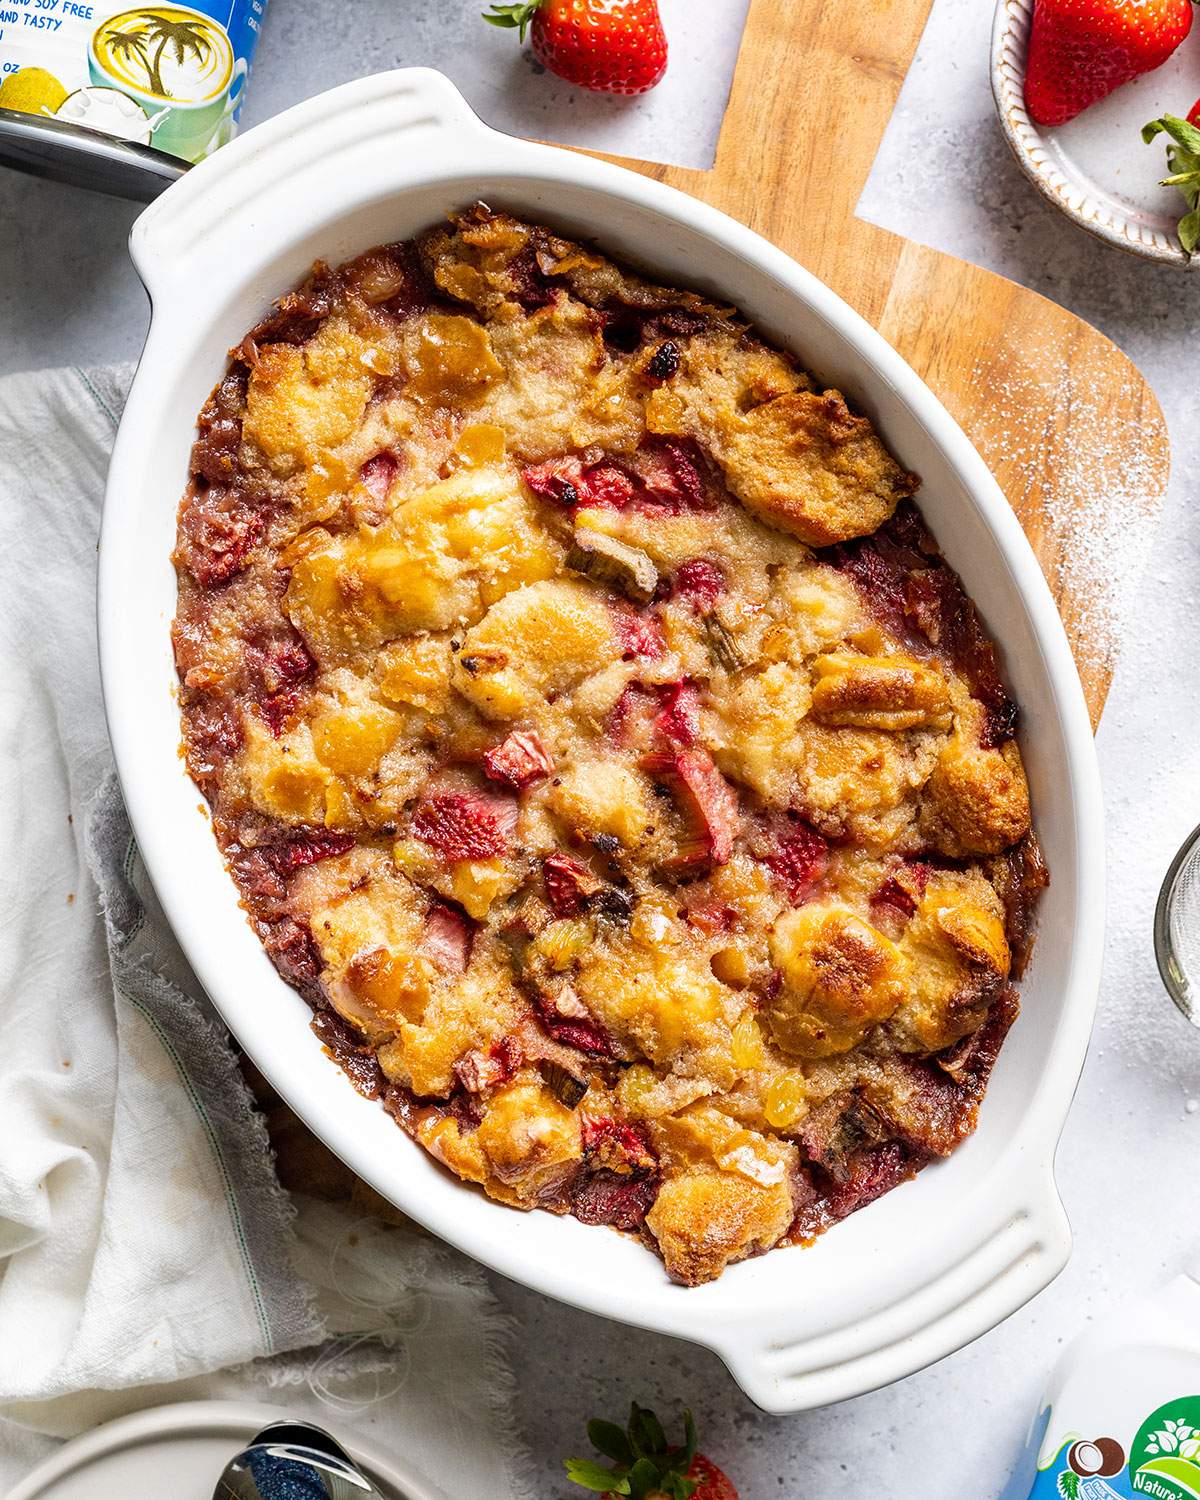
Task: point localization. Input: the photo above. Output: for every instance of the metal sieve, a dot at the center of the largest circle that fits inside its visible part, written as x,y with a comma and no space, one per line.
1177,929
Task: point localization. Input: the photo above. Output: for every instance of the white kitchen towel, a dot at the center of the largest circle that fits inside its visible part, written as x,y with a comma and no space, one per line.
145,1244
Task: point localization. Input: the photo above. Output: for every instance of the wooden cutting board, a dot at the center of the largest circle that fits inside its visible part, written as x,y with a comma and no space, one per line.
1064,420
1057,411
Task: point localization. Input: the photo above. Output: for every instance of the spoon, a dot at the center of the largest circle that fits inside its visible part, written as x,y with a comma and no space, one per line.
293,1461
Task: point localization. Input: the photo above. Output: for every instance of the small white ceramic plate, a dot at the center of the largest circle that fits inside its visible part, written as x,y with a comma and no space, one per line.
180,1451
1096,168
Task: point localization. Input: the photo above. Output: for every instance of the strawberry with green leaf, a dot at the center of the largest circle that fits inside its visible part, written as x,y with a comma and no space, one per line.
1183,168
611,46
644,1467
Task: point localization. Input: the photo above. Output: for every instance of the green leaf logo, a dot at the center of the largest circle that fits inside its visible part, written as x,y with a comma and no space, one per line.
1181,1472
1165,1458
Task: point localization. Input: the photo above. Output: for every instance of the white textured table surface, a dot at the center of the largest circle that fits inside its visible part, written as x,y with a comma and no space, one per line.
1128,1158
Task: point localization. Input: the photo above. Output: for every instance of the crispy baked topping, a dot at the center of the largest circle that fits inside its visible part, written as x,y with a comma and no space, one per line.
600,743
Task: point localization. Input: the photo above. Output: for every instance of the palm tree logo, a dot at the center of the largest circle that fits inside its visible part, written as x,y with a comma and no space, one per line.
146,41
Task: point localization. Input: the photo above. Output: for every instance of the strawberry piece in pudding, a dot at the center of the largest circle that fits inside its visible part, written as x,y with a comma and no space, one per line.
798,858
678,719
700,581
462,823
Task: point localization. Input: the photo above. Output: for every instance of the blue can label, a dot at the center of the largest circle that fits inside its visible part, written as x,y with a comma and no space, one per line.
1161,1459
170,76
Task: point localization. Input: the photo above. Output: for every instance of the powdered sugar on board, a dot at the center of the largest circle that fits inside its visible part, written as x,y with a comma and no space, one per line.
1092,520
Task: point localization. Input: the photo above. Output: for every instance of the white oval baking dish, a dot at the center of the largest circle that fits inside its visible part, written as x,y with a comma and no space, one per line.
933,1264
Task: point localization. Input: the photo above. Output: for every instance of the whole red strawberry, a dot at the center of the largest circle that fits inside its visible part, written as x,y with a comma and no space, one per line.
612,46
644,1467
1193,115
1080,50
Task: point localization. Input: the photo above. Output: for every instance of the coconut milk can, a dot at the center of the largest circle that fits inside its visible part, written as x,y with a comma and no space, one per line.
1121,1416
121,97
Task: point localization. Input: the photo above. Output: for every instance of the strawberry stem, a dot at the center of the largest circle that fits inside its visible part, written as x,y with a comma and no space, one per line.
1183,171
644,1464
513,17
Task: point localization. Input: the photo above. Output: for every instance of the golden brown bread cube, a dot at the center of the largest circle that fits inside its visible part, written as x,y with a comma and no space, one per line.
282,776
722,374
666,1004
561,392
757,720
473,261
370,942
537,640
530,1141
977,799
841,977
353,738
872,692
603,799
958,957
728,1193
858,782
301,401
379,988
415,671
702,1220
449,358
437,562
806,464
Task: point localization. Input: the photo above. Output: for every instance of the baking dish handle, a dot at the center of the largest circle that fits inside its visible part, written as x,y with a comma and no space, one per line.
336,150
1012,1255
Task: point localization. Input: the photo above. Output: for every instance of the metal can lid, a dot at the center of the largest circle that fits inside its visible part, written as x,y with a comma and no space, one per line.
85,158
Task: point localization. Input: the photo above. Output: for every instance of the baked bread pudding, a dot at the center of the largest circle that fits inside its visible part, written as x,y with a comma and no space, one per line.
599,742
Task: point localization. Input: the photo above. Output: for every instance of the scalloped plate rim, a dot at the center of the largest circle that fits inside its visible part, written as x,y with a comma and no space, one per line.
1118,226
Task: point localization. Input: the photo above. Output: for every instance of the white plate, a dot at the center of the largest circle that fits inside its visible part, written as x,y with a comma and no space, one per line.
179,1451
929,1266
1096,168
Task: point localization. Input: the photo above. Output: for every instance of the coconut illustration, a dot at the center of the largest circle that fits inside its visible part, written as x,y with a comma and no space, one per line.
33,91
109,111
1099,1456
